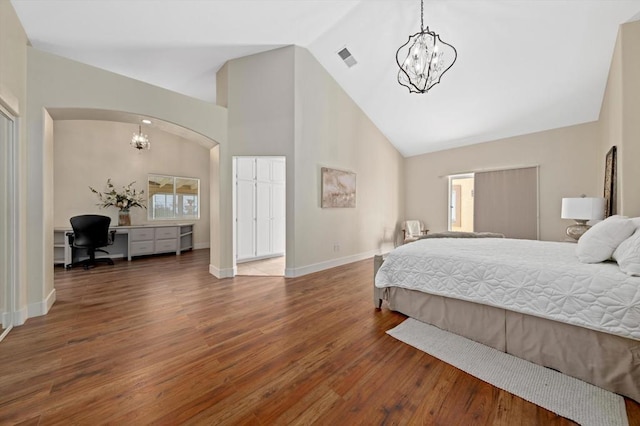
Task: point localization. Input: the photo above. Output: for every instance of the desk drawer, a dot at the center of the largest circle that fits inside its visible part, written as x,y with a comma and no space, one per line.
166,232
141,247
143,234
164,246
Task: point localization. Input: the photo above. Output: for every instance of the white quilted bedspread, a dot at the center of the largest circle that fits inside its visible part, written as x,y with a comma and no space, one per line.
539,278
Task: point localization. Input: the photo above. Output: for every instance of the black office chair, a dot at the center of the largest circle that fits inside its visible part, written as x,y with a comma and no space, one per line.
91,231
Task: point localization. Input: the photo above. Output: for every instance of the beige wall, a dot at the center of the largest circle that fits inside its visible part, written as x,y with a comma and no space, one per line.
13,95
87,153
611,116
332,131
619,118
259,96
629,156
568,158
284,103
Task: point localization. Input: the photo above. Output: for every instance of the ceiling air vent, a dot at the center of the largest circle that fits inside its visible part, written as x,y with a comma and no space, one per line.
347,57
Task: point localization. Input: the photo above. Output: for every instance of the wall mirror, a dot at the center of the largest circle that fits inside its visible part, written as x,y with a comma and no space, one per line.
173,197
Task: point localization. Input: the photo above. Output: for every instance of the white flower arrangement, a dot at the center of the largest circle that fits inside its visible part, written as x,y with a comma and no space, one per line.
123,200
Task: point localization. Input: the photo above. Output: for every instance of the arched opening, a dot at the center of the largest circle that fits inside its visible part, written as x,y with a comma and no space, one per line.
89,146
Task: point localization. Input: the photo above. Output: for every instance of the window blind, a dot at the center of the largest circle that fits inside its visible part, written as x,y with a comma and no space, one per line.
506,201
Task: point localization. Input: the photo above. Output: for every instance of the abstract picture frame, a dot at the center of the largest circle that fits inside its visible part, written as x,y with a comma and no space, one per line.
338,188
610,185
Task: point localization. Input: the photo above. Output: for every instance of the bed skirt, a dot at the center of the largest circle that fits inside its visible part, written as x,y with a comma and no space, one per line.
608,361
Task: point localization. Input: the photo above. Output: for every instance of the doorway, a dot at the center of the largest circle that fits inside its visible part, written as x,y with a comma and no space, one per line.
259,194
461,195
7,222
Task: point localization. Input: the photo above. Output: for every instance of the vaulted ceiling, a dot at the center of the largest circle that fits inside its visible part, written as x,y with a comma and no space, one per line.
523,65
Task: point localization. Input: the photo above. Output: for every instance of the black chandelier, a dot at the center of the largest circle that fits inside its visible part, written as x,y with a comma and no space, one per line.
427,58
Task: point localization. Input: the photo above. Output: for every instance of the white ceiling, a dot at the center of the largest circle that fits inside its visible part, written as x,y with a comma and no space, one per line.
523,65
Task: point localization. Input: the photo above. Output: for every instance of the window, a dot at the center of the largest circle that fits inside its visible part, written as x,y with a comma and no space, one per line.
172,197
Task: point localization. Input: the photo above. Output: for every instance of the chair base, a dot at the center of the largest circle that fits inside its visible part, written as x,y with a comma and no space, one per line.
92,261
89,263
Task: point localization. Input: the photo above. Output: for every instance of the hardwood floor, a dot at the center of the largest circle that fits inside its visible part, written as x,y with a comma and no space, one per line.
159,340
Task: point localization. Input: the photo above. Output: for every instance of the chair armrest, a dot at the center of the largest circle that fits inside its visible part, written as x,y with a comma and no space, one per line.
112,236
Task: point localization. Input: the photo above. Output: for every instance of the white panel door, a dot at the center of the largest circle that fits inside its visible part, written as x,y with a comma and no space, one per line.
5,139
245,226
278,218
263,219
245,168
7,243
278,171
263,169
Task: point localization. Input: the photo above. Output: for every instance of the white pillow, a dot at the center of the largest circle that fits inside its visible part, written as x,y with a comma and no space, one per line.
599,242
628,255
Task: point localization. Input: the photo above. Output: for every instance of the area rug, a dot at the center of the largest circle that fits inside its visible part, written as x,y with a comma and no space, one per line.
568,397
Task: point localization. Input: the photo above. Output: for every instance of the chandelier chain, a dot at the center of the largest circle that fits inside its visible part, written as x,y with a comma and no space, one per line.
422,15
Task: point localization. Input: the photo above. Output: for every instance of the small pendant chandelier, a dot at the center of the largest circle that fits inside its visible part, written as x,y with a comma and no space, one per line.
426,59
140,141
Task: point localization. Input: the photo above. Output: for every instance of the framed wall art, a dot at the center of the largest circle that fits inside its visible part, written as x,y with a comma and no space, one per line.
338,188
610,186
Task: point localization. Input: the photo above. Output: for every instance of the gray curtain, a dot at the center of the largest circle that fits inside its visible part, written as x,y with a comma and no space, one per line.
506,201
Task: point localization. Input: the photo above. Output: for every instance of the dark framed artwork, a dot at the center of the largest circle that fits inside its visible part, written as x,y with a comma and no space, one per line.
610,186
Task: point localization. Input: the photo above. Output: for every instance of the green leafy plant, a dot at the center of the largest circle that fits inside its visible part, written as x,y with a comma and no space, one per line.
125,199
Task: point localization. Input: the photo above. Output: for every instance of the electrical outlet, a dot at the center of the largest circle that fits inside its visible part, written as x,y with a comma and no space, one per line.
336,247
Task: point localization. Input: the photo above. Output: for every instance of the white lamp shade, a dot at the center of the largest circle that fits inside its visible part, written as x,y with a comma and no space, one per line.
586,208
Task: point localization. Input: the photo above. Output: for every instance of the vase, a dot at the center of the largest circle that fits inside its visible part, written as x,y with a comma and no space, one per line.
124,219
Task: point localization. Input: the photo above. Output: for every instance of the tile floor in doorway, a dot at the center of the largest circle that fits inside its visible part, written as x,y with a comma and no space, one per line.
265,267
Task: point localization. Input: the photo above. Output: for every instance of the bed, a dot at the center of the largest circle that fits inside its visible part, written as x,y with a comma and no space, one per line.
535,300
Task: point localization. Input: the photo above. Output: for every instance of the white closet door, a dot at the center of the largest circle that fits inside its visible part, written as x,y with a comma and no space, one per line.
263,218
263,169
260,207
278,171
6,136
245,227
278,218
245,168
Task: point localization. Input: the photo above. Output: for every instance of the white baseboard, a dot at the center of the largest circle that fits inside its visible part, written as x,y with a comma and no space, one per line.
199,246
5,319
20,316
253,259
41,308
221,273
317,267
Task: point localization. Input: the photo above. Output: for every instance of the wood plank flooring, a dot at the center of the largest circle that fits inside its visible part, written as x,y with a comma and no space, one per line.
160,341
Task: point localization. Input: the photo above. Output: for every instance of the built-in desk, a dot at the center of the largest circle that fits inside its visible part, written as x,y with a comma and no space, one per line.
129,241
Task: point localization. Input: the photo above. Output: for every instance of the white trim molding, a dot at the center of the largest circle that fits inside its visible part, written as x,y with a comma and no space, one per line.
9,100
20,316
221,273
199,246
41,308
317,267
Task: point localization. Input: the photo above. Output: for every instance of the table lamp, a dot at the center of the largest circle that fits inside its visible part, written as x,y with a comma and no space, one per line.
581,210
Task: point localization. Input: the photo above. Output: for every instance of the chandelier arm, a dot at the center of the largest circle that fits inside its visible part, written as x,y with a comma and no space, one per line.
402,69
455,54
